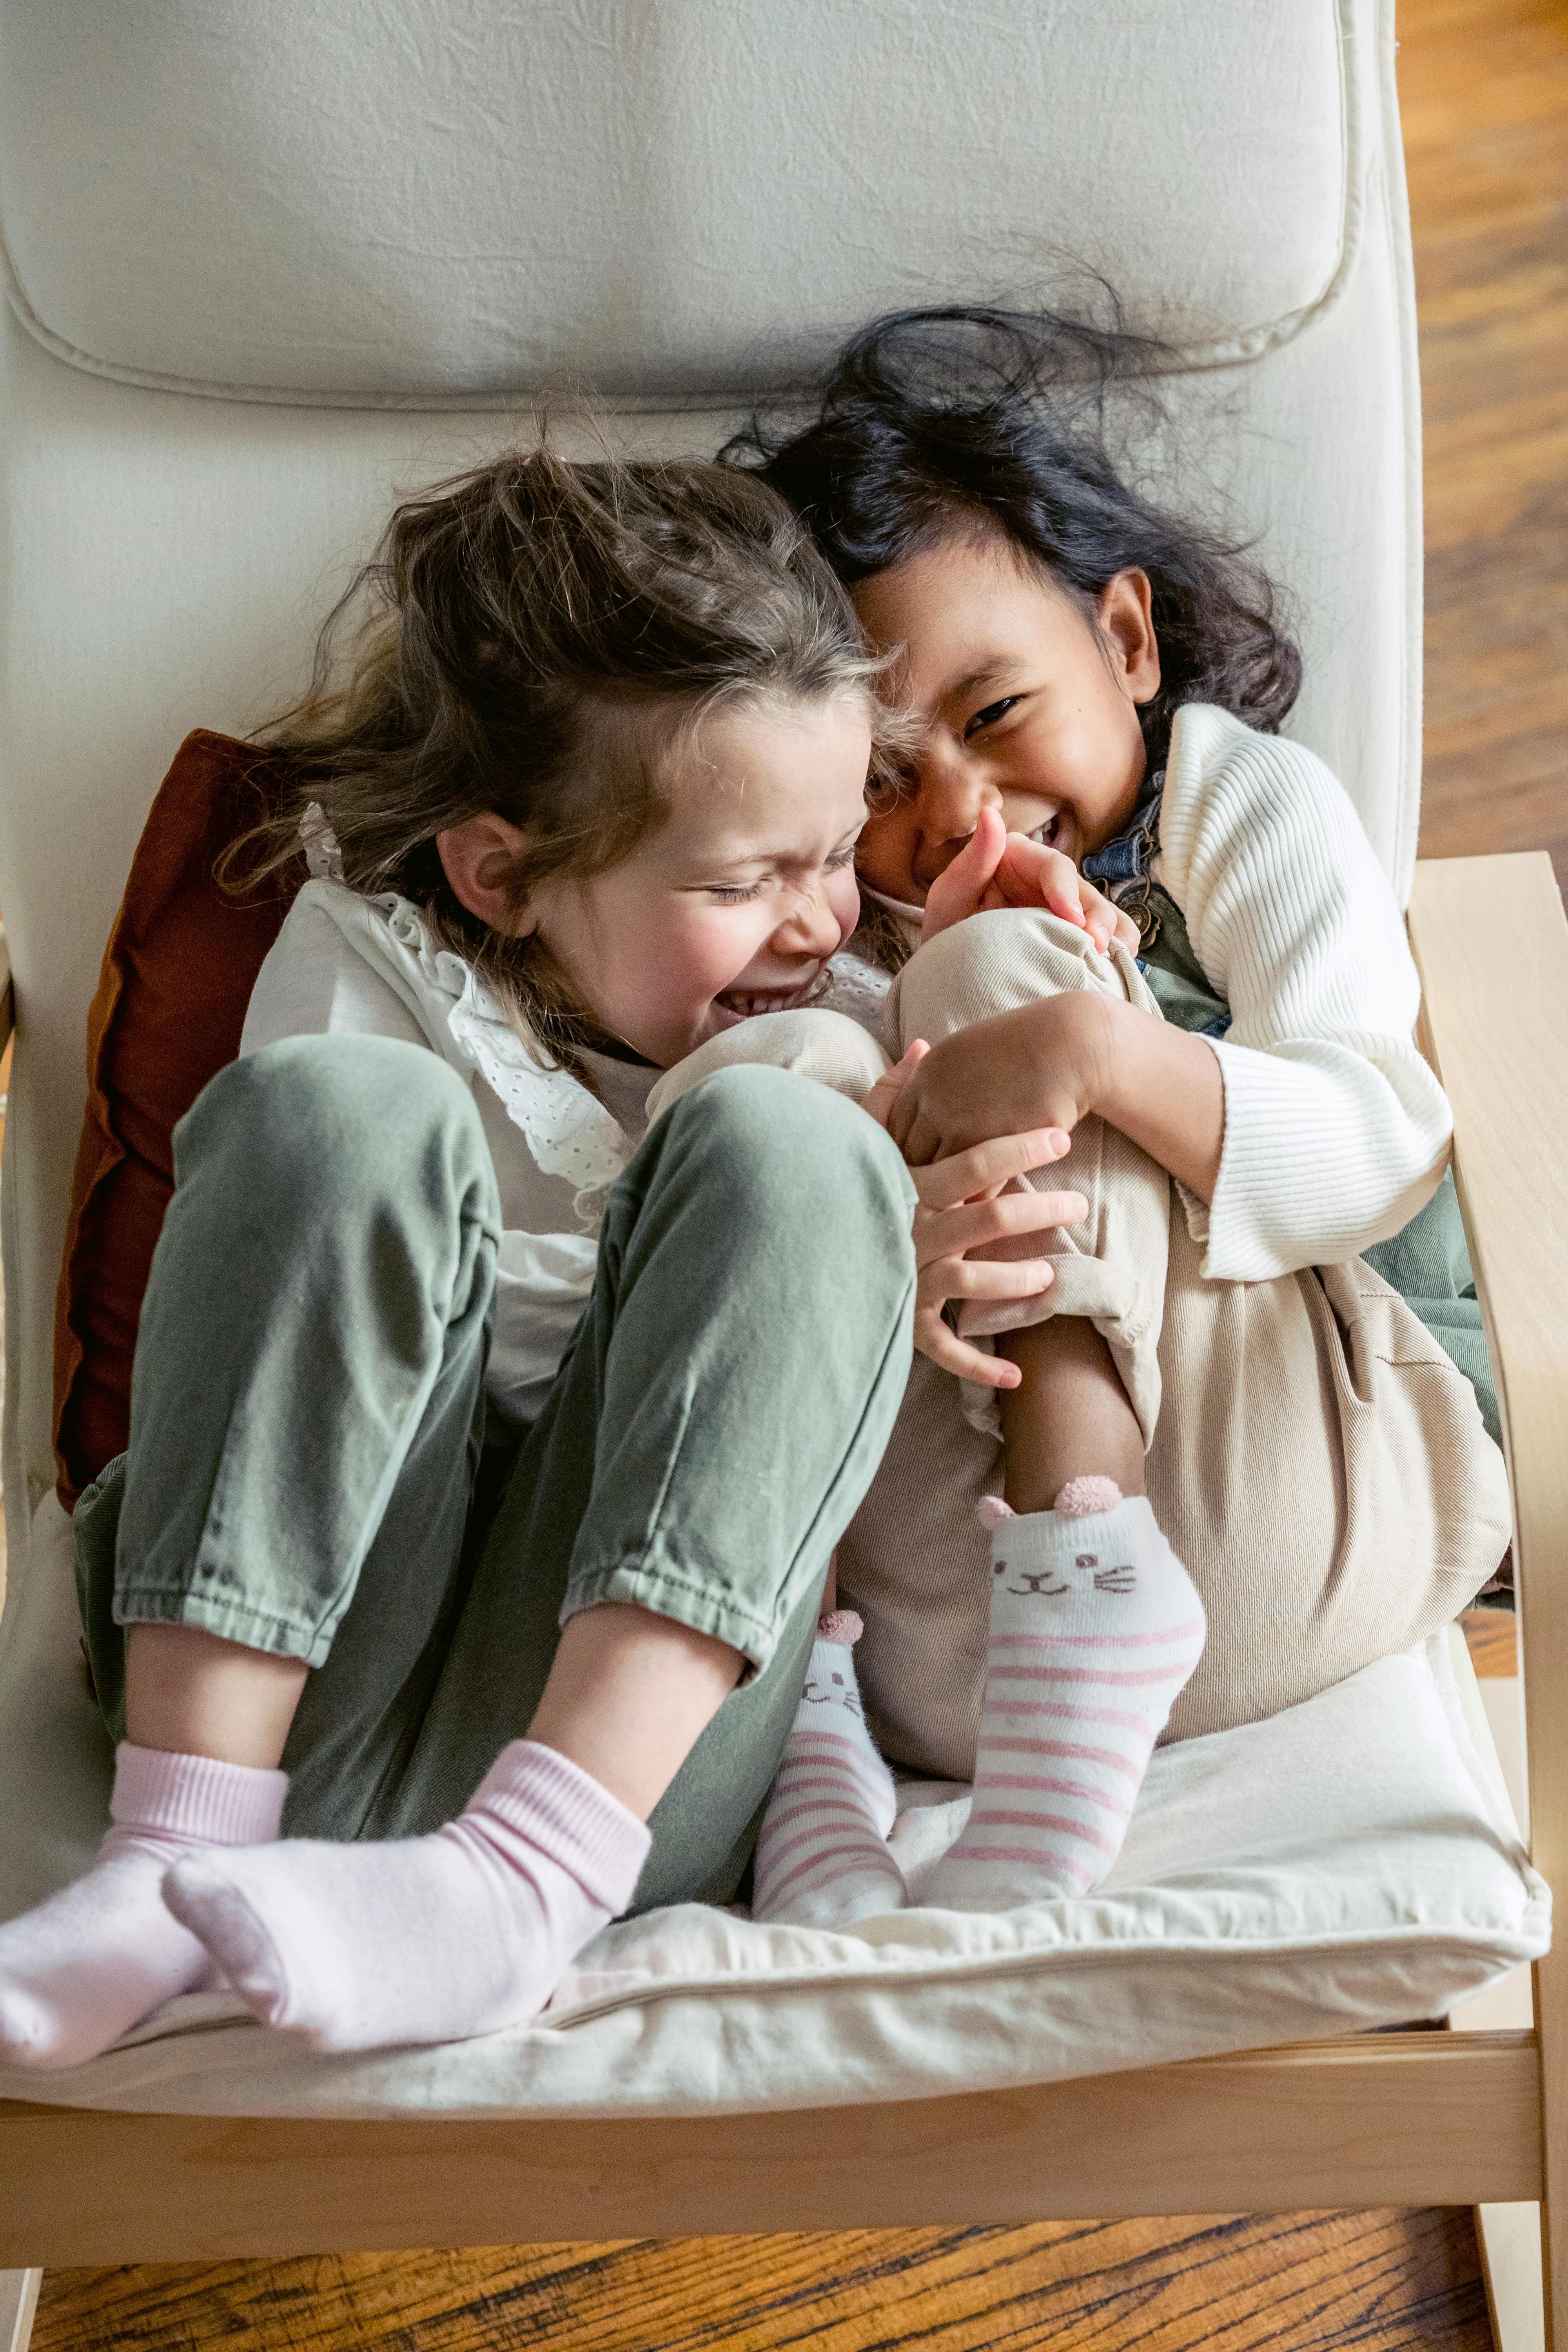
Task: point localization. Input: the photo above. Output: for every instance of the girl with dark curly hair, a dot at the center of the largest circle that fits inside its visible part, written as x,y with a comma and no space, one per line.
1099,681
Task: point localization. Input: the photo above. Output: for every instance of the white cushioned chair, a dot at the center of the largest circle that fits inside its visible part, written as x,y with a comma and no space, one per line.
269,269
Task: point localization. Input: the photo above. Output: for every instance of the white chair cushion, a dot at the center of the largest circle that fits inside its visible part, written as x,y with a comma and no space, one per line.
1348,1863
440,199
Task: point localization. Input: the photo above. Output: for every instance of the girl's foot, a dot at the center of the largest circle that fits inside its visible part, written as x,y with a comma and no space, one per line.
83,1967
822,1857
1095,1628
422,1940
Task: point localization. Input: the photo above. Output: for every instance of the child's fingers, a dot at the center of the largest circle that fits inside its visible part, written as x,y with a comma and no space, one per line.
1033,876
948,1233
1103,921
983,1277
943,1183
938,1340
890,1085
960,892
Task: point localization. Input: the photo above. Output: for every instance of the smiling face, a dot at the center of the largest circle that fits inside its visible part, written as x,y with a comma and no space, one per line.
1030,706
734,905
1086,1572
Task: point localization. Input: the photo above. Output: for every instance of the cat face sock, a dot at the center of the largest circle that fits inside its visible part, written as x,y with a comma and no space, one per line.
1095,1628
83,1967
822,1857
428,1939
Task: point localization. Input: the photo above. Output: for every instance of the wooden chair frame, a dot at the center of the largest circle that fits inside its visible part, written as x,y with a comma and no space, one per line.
1422,2118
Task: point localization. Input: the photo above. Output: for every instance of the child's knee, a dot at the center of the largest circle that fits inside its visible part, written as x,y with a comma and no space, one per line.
994,963
347,1107
788,1154
827,1046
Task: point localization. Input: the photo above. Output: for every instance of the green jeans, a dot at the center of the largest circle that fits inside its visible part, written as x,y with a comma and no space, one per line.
308,1472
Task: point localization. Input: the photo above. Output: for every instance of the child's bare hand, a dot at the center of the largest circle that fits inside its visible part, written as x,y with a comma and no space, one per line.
890,1085
998,868
1045,1066
964,1203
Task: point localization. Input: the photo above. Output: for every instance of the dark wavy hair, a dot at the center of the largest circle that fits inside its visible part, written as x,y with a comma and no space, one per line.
975,421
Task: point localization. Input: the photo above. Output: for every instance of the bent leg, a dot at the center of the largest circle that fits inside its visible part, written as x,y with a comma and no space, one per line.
1094,1624
1110,1270
815,1043
1324,1470
315,1315
720,1412
307,1408
725,1406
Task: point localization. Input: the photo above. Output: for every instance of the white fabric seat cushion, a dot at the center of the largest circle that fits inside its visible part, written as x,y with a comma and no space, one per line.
1348,1863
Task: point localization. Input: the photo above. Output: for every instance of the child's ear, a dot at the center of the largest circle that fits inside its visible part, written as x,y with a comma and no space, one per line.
478,858
1125,611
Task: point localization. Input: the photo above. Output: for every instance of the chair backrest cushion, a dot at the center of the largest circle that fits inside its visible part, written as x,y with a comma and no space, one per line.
178,971
431,199
352,221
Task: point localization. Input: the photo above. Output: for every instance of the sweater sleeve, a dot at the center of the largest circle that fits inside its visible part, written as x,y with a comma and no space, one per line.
313,983
1336,1132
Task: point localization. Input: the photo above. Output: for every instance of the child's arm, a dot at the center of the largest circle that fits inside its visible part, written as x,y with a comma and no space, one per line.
1336,1131
1050,1064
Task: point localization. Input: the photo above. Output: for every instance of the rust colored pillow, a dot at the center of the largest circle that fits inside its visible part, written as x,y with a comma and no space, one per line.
177,974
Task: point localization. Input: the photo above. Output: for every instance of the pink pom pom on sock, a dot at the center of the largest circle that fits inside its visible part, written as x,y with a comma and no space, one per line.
840,1627
1080,1499
993,1513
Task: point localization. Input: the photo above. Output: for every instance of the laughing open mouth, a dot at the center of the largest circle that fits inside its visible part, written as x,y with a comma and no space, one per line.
745,1003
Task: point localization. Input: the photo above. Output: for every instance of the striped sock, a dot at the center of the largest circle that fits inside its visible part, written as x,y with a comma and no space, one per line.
1095,1627
822,1857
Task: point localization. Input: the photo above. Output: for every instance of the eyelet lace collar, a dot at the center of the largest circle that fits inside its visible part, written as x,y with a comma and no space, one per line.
568,1131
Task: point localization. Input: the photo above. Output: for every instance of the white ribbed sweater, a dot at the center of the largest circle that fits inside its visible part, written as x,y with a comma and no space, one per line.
1336,1132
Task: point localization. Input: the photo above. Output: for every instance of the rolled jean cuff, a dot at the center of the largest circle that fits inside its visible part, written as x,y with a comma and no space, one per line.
667,1592
1123,1310
231,1621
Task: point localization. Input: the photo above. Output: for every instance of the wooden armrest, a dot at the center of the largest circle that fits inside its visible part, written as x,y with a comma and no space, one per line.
7,993
1491,943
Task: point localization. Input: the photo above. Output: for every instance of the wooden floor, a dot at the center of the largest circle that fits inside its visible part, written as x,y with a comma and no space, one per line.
1484,87
1484,94
1371,2279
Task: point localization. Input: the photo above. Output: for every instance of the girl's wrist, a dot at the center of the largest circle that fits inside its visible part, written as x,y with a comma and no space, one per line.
1164,1089
1092,1043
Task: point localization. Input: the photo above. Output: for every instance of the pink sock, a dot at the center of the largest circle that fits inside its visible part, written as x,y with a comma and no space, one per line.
822,1857
422,1940
83,1967
1095,1627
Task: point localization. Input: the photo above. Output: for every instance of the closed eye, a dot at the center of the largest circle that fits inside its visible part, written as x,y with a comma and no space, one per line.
990,715
738,894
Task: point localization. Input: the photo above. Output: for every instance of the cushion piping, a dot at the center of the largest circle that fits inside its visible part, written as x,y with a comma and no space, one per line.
1249,344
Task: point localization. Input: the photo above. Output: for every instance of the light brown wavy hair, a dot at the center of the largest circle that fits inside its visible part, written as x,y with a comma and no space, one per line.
541,640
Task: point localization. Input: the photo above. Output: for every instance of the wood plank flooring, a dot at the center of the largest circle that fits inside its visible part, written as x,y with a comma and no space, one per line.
1484,87
1484,97
1374,2280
